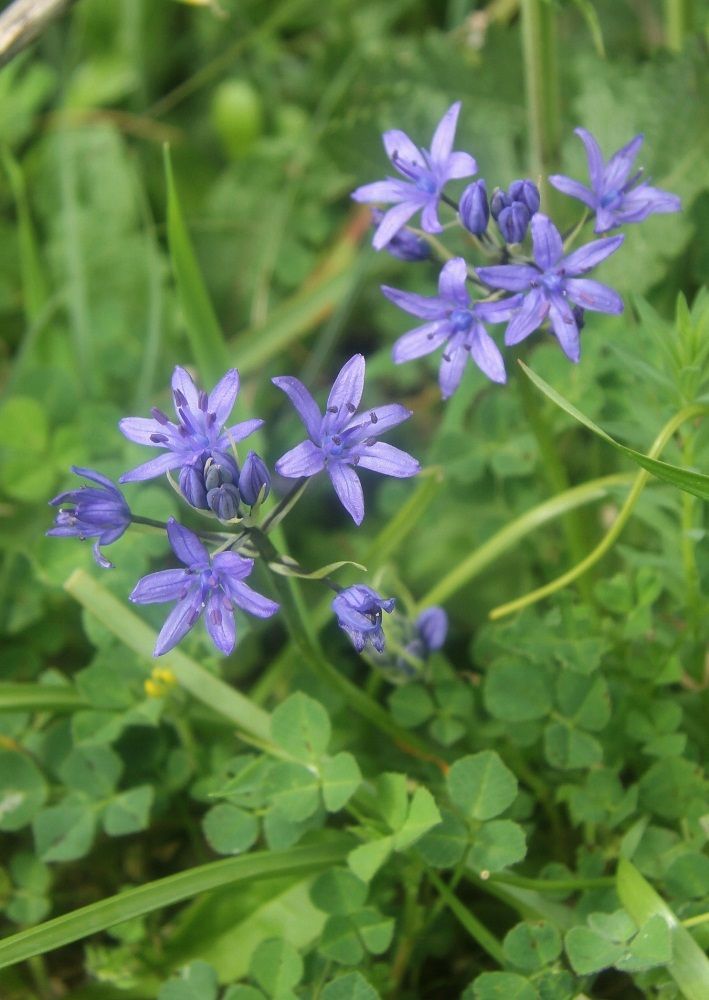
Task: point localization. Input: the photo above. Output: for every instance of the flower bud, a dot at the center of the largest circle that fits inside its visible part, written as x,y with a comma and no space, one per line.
580,317
254,476
513,222
192,485
527,192
499,201
217,473
224,501
405,245
473,208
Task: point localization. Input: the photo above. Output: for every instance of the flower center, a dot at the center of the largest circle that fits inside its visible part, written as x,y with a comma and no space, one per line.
611,198
553,282
461,320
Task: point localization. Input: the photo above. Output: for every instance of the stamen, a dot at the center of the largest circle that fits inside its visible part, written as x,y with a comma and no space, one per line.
159,416
351,407
179,398
373,417
332,409
203,401
159,438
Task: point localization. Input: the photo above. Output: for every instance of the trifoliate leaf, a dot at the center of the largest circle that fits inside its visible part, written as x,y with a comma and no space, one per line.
481,785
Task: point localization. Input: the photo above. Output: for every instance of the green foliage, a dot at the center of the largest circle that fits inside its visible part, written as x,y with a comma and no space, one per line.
526,811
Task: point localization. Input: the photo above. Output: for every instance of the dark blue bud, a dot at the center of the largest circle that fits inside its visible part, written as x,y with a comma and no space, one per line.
513,222
473,208
254,476
216,474
527,192
405,245
192,486
224,501
499,201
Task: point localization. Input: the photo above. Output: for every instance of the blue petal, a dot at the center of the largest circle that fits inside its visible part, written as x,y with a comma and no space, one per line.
387,460
219,619
348,489
452,282
425,306
186,545
155,467
420,341
250,600
590,255
593,295
546,242
443,137
165,585
529,317
510,277
345,395
223,396
178,623
306,459
308,410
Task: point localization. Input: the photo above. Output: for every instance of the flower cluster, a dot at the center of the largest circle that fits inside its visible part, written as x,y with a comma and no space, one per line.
200,457
548,289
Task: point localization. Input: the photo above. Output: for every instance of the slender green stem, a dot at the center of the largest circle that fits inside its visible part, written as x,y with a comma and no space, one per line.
493,548
609,539
679,19
210,536
554,884
557,479
40,697
689,558
541,83
166,892
695,921
306,641
477,930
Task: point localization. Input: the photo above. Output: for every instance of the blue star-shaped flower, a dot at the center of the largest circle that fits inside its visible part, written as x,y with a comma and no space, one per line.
552,282
456,322
213,585
199,433
426,173
614,195
341,439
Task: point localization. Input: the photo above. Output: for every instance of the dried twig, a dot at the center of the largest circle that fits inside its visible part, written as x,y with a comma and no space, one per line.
25,20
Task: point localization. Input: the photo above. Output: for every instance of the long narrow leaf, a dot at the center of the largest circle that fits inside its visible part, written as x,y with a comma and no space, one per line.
131,630
689,966
165,892
684,479
205,334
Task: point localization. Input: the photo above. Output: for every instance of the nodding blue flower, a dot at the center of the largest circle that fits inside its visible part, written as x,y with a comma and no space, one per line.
473,208
253,478
199,431
552,286
615,195
342,439
209,585
513,221
455,323
99,512
428,634
359,613
405,244
425,173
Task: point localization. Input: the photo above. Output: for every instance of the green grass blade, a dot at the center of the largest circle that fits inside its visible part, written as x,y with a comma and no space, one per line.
689,966
34,285
202,685
684,479
165,892
550,510
205,334
40,697
300,313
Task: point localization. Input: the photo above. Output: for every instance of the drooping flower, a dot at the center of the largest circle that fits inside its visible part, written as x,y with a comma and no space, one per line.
615,196
426,635
99,512
426,173
199,433
213,585
343,439
359,614
455,321
553,286
404,244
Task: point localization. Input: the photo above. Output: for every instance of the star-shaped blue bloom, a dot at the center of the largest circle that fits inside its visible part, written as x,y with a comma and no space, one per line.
552,283
209,585
199,433
456,322
342,439
615,196
426,173
359,614
99,512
